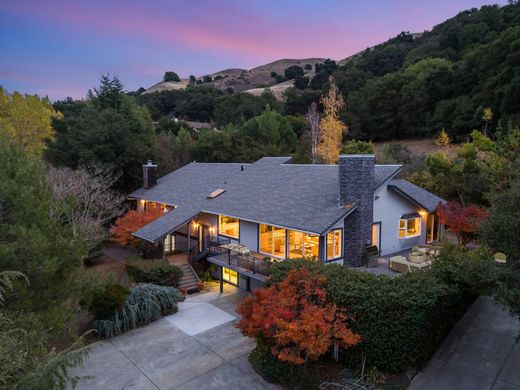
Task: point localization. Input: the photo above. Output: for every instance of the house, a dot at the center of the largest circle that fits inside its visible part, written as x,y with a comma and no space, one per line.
242,217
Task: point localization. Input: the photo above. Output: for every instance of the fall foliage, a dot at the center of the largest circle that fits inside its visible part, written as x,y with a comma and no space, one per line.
296,318
331,127
26,119
132,221
463,221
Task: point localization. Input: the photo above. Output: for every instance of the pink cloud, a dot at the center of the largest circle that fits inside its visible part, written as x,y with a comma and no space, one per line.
235,30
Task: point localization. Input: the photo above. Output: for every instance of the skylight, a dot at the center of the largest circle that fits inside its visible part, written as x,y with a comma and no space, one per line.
216,193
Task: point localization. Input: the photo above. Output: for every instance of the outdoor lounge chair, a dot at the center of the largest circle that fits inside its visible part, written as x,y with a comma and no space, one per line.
399,264
402,265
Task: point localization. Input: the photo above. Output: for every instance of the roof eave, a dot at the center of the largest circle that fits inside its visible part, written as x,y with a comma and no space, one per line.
343,216
403,194
398,171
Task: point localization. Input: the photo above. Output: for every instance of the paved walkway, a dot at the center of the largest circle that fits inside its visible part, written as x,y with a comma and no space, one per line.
196,348
481,352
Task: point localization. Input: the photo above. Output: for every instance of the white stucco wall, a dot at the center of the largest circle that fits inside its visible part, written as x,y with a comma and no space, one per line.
388,209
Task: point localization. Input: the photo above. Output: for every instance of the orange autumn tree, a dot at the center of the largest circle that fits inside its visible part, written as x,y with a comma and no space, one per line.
132,221
296,318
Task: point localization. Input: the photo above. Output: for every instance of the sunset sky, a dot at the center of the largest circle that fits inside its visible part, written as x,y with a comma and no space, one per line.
60,48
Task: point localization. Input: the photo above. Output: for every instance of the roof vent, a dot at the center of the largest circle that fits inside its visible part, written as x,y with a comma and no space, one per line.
216,193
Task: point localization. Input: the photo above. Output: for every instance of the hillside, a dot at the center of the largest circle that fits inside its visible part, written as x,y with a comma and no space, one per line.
411,86
252,80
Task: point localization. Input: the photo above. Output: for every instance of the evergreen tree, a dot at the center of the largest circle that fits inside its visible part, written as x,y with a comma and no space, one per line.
111,130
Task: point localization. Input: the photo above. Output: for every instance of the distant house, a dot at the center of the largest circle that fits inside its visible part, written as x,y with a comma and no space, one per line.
198,126
242,217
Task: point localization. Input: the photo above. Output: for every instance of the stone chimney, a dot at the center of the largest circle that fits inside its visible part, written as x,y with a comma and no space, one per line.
149,175
356,186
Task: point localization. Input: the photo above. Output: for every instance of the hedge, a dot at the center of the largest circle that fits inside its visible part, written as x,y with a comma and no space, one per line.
158,272
402,320
145,303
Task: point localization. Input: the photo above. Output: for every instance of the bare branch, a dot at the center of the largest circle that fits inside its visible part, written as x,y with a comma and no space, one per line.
313,117
85,200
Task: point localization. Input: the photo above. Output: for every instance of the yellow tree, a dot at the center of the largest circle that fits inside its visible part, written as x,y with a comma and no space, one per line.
443,141
331,127
487,117
26,119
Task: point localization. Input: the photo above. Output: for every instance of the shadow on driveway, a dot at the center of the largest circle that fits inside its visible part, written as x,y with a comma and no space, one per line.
481,352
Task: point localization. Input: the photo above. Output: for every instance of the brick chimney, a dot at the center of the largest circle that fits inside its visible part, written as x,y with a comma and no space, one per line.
356,186
149,174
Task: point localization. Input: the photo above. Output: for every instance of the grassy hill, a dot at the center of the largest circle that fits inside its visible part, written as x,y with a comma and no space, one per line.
411,86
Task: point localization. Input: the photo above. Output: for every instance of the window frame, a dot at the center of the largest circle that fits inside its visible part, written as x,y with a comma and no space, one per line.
224,234
404,228
272,241
304,235
327,244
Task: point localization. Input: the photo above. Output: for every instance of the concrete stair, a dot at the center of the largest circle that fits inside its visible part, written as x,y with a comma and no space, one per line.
190,281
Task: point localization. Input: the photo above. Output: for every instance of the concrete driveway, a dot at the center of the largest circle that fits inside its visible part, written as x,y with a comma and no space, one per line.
481,352
196,348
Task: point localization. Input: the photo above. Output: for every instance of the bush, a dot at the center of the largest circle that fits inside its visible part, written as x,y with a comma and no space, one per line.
358,147
158,272
272,369
401,320
171,76
106,299
293,71
500,231
144,304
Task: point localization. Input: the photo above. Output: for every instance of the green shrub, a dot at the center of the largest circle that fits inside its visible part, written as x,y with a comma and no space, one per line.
274,370
158,272
401,320
473,270
106,299
144,304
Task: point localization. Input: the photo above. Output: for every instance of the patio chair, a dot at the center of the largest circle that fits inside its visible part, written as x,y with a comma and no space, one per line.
500,257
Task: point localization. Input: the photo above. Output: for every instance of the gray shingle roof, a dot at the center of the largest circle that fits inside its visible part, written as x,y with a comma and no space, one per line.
303,197
420,196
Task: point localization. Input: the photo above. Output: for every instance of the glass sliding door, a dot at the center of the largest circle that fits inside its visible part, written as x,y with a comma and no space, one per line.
432,228
169,244
272,240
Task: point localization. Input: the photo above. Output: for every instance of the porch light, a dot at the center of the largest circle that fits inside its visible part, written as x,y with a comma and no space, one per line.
423,213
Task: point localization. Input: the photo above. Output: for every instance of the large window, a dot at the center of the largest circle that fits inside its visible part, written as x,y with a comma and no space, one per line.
409,227
272,240
334,244
230,276
303,245
228,226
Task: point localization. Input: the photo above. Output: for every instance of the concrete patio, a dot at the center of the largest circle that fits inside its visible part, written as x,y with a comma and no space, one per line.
481,352
196,348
